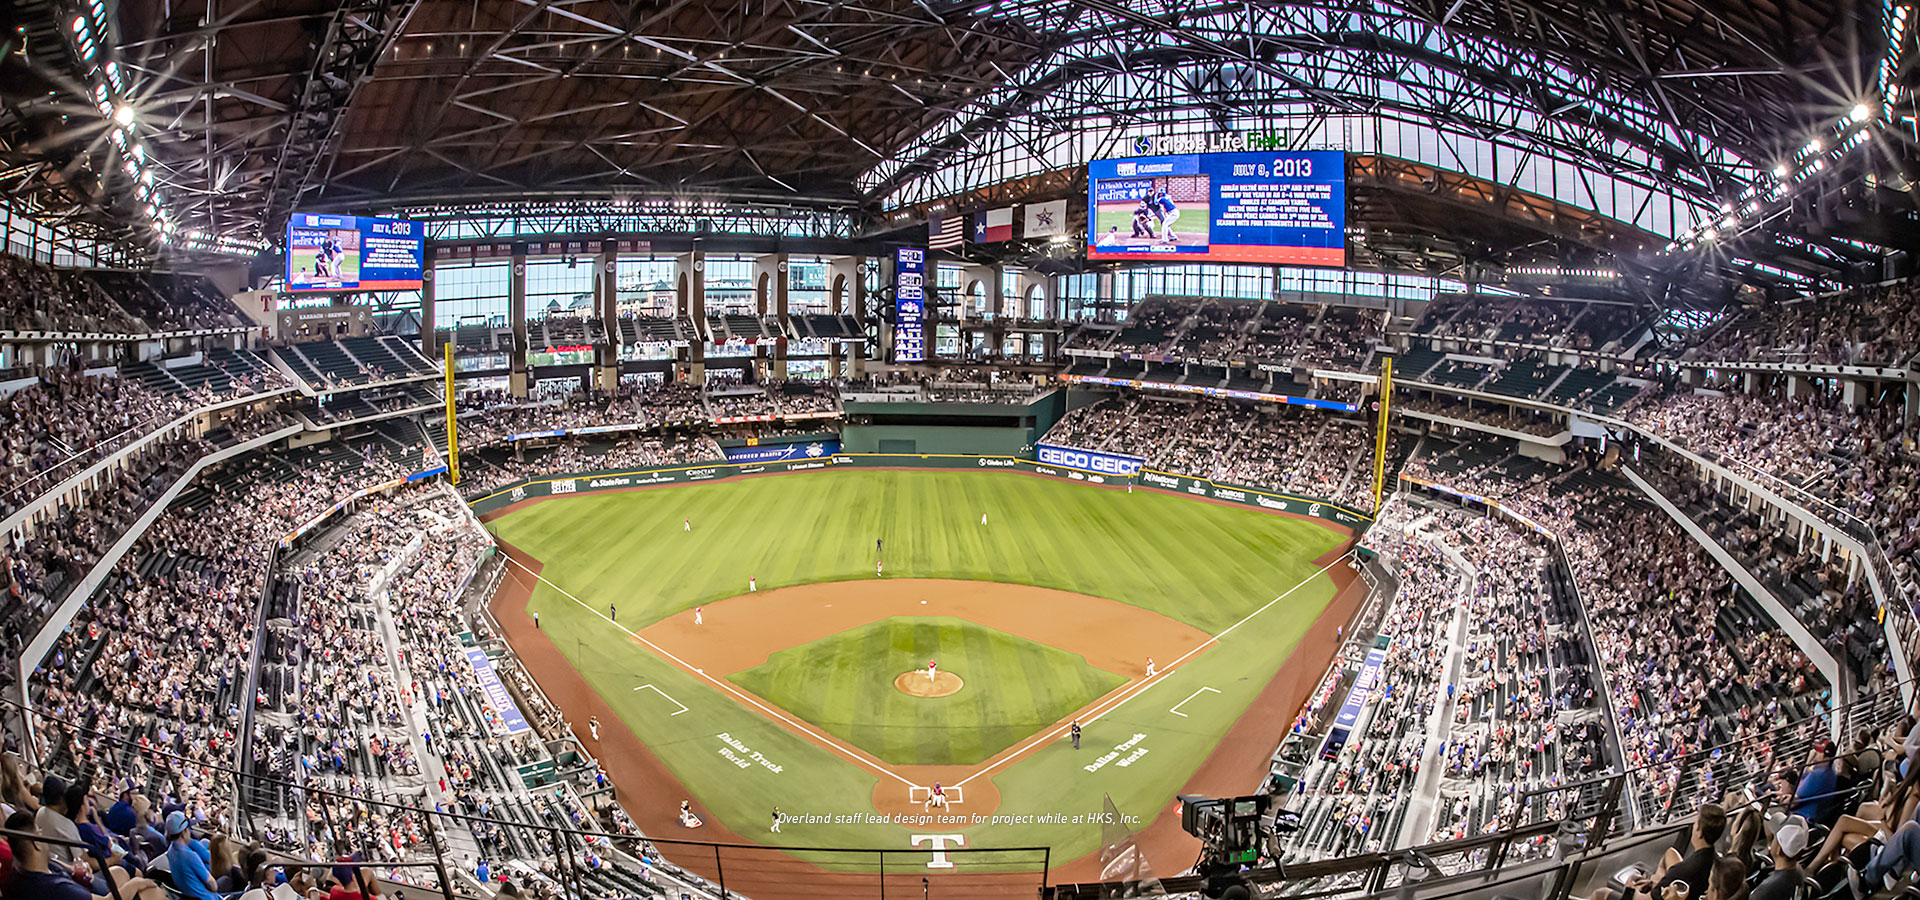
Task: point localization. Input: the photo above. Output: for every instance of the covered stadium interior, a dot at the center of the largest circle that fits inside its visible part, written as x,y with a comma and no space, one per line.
1594,324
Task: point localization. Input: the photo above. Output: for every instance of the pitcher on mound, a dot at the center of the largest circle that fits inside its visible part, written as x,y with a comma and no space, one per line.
932,668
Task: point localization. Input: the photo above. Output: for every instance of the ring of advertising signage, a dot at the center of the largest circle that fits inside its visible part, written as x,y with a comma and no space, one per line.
1279,207
350,253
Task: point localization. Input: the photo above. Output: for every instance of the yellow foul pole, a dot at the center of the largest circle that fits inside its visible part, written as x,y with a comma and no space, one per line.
453,437
1380,432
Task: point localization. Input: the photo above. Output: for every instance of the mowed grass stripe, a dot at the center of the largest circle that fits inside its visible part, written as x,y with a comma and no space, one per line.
1203,564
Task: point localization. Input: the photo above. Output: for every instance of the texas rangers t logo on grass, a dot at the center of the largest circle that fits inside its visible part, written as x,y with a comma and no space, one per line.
940,842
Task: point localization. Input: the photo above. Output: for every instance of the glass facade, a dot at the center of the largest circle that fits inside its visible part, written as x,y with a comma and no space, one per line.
471,294
1246,283
559,287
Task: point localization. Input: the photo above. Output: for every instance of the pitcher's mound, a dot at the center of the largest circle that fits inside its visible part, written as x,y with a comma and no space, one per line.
918,684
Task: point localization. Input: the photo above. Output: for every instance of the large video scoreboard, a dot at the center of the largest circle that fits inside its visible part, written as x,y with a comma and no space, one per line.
1279,207
350,253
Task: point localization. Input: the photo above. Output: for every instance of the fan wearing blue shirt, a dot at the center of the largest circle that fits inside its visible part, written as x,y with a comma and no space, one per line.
188,860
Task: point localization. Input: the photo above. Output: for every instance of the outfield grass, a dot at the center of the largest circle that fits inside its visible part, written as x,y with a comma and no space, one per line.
1205,564
1011,687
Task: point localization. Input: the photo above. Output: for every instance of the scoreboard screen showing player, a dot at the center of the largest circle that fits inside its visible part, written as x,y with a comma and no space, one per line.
349,253
1287,208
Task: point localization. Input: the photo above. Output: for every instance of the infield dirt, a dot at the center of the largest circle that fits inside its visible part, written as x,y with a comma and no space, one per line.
650,790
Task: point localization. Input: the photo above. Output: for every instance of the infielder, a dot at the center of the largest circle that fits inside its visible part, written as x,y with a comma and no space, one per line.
1150,668
751,584
697,620
593,726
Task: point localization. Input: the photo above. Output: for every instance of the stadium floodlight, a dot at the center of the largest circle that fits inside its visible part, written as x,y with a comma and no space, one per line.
1709,235
1782,170
1861,112
1815,146
124,115
79,24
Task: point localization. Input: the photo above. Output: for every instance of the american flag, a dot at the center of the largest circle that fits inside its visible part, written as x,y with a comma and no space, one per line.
945,232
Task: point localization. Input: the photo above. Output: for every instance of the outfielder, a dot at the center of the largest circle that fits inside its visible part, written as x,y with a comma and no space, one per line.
751,584
777,817
1150,668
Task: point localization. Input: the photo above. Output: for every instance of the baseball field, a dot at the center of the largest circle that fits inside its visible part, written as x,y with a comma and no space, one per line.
763,643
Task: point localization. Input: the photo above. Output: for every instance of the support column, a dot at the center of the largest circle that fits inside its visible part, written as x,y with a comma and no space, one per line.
429,333
1851,394
849,293
771,283
690,274
1797,387
517,317
606,306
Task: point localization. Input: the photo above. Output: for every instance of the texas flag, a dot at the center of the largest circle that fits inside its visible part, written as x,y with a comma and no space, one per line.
993,225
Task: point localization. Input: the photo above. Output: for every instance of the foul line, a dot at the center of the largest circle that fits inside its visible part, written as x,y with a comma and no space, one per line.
1176,707
646,687
745,698
1116,701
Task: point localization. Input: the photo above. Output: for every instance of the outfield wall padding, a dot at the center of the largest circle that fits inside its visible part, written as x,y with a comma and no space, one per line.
620,479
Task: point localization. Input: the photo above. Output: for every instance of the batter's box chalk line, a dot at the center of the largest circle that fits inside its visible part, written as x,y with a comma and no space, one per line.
918,794
664,695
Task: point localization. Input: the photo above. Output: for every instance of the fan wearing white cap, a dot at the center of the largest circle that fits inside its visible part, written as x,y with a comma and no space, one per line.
1788,842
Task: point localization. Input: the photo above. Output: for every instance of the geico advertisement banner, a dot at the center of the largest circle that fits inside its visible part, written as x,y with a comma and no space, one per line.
1090,460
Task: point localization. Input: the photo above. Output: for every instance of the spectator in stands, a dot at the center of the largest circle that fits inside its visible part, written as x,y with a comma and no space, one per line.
352,883
1695,865
1785,847
37,876
1817,798
189,862
55,819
